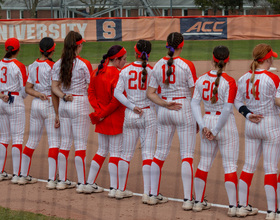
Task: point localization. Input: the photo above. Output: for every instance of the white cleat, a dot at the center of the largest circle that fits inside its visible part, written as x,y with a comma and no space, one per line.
270,215
199,206
15,179
26,180
5,176
65,184
123,194
231,211
153,200
51,184
80,188
277,216
112,193
145,198
188,204
243,211
92,188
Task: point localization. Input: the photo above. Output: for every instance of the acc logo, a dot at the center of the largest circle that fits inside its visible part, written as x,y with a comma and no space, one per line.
109,30
204,28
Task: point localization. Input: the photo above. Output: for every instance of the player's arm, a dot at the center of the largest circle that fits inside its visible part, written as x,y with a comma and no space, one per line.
57,91
153,96
31,91
92,94
55,102
196,110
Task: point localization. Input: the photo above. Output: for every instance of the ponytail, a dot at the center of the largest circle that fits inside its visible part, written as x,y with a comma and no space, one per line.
220,65
10,52
144,71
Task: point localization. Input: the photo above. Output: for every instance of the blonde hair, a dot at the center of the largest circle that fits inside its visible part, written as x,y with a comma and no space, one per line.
259,52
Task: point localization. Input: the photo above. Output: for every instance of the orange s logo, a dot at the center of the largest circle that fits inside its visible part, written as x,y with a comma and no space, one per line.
109,29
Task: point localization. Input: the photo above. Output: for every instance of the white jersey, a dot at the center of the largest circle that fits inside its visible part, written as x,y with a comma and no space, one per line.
80,76
12,75
182,78
204,90
130,80
266,84
40,76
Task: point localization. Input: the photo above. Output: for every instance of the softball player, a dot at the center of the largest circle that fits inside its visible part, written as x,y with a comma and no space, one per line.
42,113
140,117
12,111
257,88
217,90
176,77
73,74
108,117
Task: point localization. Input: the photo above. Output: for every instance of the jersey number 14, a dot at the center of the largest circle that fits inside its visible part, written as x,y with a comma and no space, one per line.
257,93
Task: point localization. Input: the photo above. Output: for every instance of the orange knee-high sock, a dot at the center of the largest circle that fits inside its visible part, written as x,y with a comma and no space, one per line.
123,171
27,152
80,156
5,157
52,159
231,181
156,168
200,186
244,189
16,155
146,170
62,167
270,185
113,170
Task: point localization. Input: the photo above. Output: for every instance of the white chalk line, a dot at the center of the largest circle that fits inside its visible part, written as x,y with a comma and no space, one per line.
171,199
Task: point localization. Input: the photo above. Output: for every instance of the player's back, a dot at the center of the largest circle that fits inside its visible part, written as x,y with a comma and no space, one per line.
205,85
12,75
266,84
182,78
40,75
131,77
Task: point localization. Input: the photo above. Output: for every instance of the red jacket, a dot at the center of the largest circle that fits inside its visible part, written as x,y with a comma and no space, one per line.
101,97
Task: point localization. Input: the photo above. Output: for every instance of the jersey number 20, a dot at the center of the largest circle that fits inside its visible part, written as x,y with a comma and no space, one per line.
131,82
4,71
205,92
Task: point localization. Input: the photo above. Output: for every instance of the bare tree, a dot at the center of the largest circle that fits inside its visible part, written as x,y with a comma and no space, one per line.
31,6
91,4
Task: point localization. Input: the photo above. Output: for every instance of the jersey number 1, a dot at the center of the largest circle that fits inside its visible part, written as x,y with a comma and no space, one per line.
257,84
37,75
4,71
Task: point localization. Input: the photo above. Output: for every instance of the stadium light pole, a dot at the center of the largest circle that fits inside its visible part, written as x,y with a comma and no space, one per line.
51,8
170,7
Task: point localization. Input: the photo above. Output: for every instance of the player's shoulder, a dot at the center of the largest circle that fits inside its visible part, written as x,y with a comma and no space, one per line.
83,60
18,63
188,62
50,63
126,67
228,78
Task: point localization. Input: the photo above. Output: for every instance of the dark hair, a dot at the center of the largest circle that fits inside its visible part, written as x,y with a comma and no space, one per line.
221,53
45,44
68,56
9,52
144,46
111,52
174,39
259,52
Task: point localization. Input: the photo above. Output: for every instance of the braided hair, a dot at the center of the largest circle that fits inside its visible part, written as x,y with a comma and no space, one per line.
145,48
221,53
173,41
111,52
259,52
46,44
68,56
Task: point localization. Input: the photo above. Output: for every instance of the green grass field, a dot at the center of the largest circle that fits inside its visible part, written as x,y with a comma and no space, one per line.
19,215
193,50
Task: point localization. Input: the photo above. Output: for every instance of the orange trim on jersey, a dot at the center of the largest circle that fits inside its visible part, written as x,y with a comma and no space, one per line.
82,155
114,160
19,146
12,93
232,87
216,113
167,58
192,68
147,162
99,159
147,107
273,76
174,98
22,70
200,174
88,64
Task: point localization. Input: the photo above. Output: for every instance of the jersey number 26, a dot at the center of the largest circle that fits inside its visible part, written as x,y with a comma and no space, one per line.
205,92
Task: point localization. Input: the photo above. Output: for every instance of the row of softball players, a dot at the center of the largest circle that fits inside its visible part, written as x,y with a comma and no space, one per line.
176,76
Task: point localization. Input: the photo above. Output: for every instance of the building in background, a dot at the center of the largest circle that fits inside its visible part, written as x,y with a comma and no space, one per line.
18,9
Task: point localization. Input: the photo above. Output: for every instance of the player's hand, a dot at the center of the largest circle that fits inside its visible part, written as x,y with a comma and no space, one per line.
255,118
43,97
174,106
206,132
138,111
211,136
69,98
56,122
5,98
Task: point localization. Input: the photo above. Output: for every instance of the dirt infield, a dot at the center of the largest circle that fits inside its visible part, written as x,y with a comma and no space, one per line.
68,204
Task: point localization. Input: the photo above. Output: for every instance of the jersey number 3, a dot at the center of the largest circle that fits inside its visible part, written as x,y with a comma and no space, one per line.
205,92
4,72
